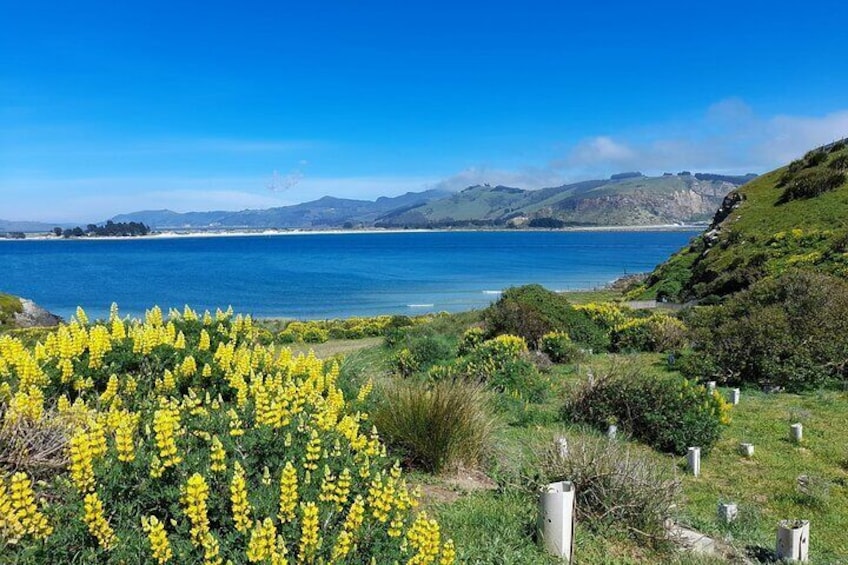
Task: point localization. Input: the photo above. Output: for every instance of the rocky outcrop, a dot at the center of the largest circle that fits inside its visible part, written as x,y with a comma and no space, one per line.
34,316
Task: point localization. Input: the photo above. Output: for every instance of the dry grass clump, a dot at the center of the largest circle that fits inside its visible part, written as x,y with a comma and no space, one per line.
615,486
37,448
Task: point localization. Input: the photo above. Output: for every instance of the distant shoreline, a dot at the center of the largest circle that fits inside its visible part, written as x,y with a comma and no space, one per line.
175,234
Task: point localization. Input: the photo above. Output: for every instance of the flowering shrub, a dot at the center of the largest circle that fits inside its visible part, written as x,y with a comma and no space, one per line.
190,443
319,331
559,347
669,413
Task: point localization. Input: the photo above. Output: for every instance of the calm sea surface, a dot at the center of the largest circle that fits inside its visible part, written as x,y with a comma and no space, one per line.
321,275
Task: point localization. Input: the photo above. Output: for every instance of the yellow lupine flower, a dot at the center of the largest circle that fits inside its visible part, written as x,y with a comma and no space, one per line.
309,538
424,537
194,497
111,390
99,343
288,493
159,544
124,432
166,425
265,545
97,524
81,457
313,452
448,553
19,509
205,343
217,457
235,423
238,497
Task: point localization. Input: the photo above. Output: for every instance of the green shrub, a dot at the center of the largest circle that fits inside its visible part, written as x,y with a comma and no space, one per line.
667,412
615,487
790,331
658,332
812,183
559,347
436,427
815,158
840,163
532,311
503,364
471,339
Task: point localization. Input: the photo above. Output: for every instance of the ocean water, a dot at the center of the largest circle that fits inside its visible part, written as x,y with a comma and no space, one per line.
316,276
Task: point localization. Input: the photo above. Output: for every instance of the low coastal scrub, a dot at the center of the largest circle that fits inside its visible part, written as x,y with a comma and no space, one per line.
438,426
184,441
790,332
532,311
667,412
319,331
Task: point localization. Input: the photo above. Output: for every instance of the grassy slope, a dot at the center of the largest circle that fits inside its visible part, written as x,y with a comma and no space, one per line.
765,486
9,305
757,240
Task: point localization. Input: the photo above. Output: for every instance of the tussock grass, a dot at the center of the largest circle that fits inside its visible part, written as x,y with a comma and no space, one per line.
436,427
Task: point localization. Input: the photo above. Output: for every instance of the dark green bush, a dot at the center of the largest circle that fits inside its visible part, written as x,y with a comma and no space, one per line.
669,413
812,183
840,163
532,311
815,158
790,331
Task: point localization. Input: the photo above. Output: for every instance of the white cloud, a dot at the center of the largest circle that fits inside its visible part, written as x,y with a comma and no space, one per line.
528,177
599,150
730,138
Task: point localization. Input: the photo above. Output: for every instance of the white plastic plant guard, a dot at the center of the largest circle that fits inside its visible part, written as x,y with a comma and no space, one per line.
793,540
693,460
746,449
556,519
562,447
735,396
612,431
796,433
727,512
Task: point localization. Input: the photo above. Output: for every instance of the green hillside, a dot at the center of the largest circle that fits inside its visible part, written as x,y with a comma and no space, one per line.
9,306
793,217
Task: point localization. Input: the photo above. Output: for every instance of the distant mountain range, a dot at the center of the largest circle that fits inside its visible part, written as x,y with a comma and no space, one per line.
326,212
26,227
623,199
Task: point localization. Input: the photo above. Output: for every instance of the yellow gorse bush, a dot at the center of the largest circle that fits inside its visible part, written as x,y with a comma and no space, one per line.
219,447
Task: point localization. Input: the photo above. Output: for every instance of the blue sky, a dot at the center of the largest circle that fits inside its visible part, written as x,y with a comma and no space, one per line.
109,107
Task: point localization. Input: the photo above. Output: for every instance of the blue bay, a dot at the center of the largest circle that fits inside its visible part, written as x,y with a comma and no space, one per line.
322,275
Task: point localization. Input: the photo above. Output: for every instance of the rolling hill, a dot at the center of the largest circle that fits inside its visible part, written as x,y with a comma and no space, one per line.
795,217
629,199
324,212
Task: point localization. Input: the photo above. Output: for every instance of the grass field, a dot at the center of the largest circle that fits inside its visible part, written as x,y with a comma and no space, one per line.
496,523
